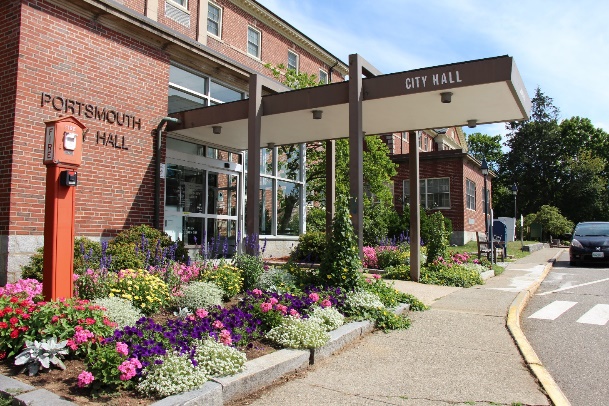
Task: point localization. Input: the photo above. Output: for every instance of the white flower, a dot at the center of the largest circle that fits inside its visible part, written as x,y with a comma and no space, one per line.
299,333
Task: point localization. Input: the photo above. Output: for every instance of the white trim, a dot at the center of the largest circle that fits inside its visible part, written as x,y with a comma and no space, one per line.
325,73
297,69
247,42
220,15
178,5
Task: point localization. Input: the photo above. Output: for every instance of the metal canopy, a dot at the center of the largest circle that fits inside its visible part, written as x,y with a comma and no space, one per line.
486,90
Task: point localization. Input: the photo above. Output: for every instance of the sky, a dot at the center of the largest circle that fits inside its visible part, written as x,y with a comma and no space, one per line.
560,46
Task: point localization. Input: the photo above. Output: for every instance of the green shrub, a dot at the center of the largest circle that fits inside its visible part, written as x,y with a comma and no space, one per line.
310,247
400,272
175,375
437,242
200,295
251,267
103,362
226,277
93,283
124,256
33,270
456,275
388,256
277,280
120,311
341,264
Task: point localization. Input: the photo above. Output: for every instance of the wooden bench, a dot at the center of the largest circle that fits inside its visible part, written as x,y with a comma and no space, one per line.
485,249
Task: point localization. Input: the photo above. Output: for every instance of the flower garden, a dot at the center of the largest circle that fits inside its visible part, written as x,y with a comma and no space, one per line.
148,322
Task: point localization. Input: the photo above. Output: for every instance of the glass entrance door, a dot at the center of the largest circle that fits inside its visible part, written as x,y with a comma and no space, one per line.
202,207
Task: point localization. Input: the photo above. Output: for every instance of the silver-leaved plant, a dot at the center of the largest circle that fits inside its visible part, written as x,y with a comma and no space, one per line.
43,353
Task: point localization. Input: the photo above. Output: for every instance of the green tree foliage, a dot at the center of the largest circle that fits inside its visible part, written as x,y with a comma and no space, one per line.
340,264
483,146
438,237
551,220
564,164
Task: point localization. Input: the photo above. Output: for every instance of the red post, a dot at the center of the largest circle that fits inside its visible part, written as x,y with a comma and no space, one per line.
62,156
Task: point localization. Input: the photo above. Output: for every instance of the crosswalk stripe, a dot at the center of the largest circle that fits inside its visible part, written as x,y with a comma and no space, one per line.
553,310
599,315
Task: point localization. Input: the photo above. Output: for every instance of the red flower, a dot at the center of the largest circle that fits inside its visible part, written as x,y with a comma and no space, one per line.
2,354
3,324
15,333
14,320
18,311
14,299
90,321
25,316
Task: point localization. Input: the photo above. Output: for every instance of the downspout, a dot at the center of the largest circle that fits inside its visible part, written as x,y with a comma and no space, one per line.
330,71
157,169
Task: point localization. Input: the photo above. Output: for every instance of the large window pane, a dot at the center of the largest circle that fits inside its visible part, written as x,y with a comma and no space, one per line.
288,162
266,161
266,206
288,213
187,80
179,100
223,93
213,19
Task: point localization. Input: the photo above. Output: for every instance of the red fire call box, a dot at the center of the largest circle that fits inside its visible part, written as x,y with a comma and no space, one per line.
63,141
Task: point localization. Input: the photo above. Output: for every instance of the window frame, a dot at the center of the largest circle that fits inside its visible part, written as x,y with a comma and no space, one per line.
423,194
219,22
259,45
470,200
321,71
297,68
179,4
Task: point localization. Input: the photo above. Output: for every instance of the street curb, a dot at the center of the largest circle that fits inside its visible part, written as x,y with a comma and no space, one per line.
557,397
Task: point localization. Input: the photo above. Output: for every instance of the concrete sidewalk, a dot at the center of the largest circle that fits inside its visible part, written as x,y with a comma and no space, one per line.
457,353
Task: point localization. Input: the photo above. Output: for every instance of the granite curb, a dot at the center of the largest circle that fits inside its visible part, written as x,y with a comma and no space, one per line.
557,397
258,374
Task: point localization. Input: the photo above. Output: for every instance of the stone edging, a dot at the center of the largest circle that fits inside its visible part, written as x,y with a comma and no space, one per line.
259,373
557,397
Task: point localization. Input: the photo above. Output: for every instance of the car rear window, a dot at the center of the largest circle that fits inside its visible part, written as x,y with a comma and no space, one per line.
589,230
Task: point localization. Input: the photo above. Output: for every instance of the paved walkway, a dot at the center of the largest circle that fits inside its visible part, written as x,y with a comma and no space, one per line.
457,353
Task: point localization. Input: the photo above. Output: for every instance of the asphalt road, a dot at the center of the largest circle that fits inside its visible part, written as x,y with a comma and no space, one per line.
566,322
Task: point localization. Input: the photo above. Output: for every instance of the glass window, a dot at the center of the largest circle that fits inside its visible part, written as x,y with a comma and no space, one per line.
266,206
323,77
266,161
288,162
288,213
470,194
224,94
293,61
435,193
183,3
253,42
214,18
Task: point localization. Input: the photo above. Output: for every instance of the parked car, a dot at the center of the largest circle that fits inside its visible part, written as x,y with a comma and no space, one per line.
590,243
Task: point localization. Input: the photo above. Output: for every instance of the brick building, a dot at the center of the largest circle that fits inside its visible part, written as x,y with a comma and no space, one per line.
450,180
121,67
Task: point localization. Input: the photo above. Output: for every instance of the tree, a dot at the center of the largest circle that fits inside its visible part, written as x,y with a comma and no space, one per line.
551,220
483,146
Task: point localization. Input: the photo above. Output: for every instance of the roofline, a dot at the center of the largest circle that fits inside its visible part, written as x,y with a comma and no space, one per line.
438,155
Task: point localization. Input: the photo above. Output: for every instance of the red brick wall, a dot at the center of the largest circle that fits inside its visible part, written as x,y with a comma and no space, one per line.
67,56
454,165
274,47
191,29
10,15
136,5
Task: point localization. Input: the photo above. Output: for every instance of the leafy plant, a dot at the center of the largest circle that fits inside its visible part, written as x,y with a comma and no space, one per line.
310,247
120,311
43,353
392,255
103,362
251,267
153,246
277,280
93,284
341,264
437,243
328,317
200,295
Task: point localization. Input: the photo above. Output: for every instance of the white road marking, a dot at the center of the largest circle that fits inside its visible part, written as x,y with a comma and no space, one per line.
572,287
599,315
553,310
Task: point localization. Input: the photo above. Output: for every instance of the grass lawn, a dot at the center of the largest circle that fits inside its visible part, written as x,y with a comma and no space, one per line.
513,248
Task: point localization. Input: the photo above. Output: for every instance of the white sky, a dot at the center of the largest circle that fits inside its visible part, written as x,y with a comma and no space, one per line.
562,46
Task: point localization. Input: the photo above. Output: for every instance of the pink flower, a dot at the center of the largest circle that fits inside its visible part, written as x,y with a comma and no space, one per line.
202,313
225,337
265,307
273,301
314,297
283,309
128,369
122,348
217,324
54,319
376,276
82,336
85,378
326,303
368,280
294,313
257,292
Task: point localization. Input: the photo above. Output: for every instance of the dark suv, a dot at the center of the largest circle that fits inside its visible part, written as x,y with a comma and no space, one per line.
590,242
